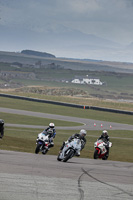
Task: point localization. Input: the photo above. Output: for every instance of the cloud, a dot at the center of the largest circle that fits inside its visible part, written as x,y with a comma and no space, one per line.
109,19
69,11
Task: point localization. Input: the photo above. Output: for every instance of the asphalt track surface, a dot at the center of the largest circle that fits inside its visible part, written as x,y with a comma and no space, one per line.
88,124
26,176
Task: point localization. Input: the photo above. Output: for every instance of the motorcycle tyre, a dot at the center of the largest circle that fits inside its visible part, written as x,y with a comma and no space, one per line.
58,158
105,158
45,152
68,156
95,156
37,148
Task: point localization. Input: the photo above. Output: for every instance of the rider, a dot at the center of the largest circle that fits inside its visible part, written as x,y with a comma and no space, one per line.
104,136
81,135
1,128
51,132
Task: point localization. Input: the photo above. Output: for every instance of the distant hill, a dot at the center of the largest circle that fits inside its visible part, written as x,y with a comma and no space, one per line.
37,53
66,63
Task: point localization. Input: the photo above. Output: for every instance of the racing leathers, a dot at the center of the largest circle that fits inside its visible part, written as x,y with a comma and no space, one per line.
106,140
52,133
76,135
1,128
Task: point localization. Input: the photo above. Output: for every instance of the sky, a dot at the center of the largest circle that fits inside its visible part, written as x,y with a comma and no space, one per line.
65,28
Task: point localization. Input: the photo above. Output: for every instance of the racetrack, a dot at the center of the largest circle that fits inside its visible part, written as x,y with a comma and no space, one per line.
87,124
33,177
26,176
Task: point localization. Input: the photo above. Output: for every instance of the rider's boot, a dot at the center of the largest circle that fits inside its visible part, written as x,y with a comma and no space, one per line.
62,147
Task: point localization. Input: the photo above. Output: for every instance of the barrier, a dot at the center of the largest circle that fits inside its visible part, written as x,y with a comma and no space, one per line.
67,104
112,110
45,101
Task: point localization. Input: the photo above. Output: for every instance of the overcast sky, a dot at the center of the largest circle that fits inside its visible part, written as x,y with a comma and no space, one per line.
109,19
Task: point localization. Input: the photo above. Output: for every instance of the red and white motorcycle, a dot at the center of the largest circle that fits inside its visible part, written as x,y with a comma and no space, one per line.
100,149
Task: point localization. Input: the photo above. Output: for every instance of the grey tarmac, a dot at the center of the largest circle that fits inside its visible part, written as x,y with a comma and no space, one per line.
88,124
35,177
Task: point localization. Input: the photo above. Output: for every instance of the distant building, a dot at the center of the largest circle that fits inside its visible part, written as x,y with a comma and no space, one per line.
76,80
91,81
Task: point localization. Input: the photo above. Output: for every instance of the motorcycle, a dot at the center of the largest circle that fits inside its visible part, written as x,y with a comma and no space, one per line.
100,149
42,143
69,150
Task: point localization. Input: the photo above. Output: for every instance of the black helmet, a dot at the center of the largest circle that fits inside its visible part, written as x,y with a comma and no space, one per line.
104,133
1,121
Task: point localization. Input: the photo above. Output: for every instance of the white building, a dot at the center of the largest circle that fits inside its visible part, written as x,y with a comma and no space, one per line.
91,81
76,80
94,81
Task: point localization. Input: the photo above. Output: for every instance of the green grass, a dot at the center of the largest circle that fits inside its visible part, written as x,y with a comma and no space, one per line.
18,139
114,88
117,85
31,120
24,140
86,100
64,110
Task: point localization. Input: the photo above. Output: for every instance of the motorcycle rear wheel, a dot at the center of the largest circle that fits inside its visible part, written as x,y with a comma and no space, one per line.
105,157
58,157
44,152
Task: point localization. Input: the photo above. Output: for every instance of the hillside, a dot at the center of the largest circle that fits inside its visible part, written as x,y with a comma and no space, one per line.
30,74
37,53
67,63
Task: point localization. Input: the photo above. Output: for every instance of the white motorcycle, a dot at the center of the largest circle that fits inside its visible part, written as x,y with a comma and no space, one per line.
69,150
42,143
100,149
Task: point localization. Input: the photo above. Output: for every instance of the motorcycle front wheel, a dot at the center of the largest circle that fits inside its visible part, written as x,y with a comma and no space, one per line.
68,156
58,157
95,156
37,148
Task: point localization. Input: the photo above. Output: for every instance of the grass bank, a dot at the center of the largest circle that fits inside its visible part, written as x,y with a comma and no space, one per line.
31,120
24,140
64,110
83,100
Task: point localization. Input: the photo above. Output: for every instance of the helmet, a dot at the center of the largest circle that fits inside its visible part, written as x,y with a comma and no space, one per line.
82,132
1,121
51,125
104,133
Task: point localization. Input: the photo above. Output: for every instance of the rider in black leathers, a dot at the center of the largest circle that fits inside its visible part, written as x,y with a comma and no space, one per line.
81,135
104,136
1,128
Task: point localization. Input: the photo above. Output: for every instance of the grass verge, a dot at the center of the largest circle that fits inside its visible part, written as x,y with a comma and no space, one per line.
16,139
64,110
31,120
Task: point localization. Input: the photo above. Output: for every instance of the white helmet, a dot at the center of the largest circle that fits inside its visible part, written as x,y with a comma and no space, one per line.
105,133
51,125
83,132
